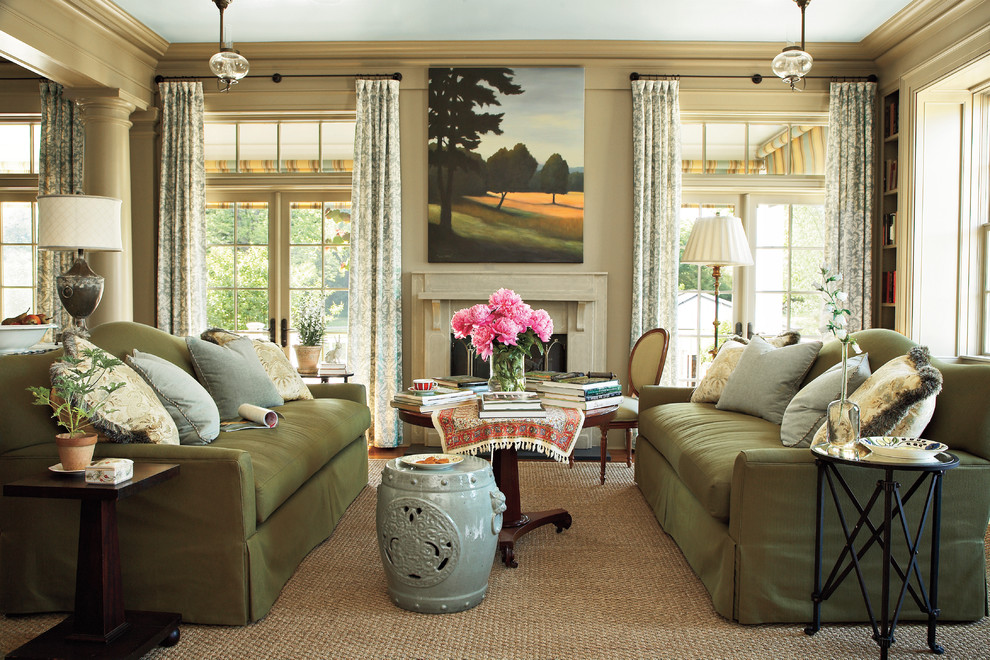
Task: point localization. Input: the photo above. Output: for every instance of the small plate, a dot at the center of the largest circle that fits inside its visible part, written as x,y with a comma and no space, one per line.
895,447
59,469
416,461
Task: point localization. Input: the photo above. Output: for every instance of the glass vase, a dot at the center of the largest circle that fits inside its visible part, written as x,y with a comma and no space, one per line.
842,418
508,371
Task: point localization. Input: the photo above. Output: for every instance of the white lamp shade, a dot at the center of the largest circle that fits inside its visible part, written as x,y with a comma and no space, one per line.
718,241
79,222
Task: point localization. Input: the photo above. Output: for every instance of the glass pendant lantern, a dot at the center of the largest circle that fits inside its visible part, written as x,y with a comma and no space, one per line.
227,65
794,63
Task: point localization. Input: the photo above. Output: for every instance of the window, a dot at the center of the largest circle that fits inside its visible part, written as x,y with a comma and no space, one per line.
18,255
271,243
19,142
753,148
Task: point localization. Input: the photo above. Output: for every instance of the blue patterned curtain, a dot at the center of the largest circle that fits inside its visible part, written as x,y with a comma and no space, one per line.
374,329
182,211
656,211
849,194
60,171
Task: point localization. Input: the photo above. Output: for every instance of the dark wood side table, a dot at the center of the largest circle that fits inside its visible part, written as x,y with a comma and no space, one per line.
893,513
600,417
99,626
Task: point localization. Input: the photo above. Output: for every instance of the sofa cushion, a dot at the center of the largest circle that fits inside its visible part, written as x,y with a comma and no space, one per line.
713,382
131,413
283,375
767,378
308,435
805,414
701,444
233,375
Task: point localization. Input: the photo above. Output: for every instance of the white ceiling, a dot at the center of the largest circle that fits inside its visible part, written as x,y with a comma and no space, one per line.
453,20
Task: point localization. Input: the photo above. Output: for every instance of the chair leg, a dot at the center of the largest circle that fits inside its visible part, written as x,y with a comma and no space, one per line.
628,447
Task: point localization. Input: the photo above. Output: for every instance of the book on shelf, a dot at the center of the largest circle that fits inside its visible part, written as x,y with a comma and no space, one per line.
888,229
583,405
888,286
505,413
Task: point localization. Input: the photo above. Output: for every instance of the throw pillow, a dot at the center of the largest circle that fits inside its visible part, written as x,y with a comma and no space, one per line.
233,375
193,411
710,388
767,378
133,413
287,380
899,398
806,412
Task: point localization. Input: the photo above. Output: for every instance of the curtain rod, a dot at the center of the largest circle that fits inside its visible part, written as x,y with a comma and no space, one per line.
756,77
278,77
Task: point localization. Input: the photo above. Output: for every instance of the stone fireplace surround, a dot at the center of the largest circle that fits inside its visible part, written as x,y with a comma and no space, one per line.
575,301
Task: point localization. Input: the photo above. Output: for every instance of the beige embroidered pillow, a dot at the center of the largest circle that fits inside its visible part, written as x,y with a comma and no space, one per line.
898,398
283,375
133,413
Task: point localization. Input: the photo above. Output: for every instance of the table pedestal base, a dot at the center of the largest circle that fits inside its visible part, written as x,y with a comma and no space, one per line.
144,631
530,521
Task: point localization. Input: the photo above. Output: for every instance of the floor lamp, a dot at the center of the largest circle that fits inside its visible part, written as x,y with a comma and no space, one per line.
717,241
79,222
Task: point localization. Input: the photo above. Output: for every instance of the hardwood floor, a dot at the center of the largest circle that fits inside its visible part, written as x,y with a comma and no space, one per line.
618,455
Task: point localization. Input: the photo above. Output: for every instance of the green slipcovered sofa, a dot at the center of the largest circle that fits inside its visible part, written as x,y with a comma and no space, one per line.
741,506
218,542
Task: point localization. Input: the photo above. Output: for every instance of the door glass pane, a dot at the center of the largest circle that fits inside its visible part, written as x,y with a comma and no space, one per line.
806,269
305,267
251,266
771,313
220,265
771,225
337,311
809,225
252,224
305,223
806,311
219,224
220,308
770,265
335,272
237,264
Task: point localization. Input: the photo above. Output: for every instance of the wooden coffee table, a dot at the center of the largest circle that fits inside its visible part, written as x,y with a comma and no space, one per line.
505,464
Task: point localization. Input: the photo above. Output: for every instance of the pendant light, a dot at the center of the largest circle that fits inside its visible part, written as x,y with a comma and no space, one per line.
228,65
794,63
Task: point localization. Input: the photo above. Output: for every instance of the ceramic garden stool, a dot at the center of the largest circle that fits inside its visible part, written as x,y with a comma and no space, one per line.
437,532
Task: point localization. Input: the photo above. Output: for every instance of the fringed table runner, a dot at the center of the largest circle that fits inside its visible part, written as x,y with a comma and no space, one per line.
463,432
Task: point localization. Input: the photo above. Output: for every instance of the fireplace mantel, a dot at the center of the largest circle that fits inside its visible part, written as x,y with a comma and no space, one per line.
575,301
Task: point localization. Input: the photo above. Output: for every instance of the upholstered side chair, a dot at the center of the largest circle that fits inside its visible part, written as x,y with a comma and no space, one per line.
646,361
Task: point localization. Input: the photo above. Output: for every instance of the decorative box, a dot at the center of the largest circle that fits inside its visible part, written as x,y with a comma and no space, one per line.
110,471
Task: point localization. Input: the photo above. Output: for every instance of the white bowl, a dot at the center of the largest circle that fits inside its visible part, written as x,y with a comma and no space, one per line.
16,338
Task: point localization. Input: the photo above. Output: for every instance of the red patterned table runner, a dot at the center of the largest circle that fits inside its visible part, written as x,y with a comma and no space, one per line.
462,432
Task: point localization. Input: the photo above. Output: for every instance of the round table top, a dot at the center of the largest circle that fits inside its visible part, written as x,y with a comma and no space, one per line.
942,461
595,417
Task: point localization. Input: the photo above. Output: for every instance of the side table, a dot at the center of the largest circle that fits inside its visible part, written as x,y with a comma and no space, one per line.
893,513
99,626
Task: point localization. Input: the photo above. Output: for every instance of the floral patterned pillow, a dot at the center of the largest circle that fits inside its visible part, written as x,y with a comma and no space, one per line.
286,379
133,413
898,399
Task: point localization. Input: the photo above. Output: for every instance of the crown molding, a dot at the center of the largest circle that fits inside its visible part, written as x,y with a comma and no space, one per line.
918,20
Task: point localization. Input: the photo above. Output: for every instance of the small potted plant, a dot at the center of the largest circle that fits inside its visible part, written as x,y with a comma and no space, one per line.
311,326
74,408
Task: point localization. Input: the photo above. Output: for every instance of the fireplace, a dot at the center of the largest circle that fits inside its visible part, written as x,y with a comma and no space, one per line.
575,301
464,359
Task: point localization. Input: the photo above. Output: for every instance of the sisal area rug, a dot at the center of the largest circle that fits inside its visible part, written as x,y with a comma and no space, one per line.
612,586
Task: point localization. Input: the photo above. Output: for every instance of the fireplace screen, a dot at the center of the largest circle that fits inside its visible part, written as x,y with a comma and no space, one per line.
465,361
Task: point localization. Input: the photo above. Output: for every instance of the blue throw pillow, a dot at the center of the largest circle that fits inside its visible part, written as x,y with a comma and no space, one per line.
233,375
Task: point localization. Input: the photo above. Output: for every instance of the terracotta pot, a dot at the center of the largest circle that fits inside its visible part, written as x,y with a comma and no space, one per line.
75,452
308,358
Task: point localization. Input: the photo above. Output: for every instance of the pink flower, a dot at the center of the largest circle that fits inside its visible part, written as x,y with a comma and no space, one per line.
461,323
507,330
481,339
504,298
542,324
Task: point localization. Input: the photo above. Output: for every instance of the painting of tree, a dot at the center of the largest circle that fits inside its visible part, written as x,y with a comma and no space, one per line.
506,175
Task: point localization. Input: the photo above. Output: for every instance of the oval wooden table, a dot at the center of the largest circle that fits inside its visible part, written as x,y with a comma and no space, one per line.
505,464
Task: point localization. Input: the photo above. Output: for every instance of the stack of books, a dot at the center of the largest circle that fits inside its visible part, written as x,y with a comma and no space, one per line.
331,369
429,400
473,383
510,404
585,392
535,378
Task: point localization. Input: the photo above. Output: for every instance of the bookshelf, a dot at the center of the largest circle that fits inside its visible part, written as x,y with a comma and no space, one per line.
887,228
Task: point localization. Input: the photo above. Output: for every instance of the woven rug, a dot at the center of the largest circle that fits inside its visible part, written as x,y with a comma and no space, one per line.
613,586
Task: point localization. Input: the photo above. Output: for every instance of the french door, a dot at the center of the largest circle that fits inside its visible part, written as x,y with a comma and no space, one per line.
266,252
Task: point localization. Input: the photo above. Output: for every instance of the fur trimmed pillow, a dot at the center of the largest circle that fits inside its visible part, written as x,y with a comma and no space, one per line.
286,379
133,412
898,399
709,390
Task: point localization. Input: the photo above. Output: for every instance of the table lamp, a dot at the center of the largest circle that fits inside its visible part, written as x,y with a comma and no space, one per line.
79,222
717,241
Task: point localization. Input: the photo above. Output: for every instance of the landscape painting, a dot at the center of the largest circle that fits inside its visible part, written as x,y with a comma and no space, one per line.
506,165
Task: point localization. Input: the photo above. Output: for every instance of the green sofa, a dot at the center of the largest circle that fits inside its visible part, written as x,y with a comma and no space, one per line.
218,542
741,506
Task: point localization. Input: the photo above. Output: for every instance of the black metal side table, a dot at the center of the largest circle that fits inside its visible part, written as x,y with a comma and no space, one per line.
893,511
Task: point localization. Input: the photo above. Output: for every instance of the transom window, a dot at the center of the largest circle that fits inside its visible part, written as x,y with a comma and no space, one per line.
753,148
279,147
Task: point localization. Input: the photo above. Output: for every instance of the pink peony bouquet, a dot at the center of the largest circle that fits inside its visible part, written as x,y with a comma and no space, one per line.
506,323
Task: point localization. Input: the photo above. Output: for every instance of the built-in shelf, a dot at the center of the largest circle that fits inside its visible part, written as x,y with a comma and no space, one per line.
892,305
890,138
892,191
887,222
892,246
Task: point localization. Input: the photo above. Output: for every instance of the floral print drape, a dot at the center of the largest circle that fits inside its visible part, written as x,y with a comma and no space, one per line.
375,295
60,171
656,211
849,194
182,211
